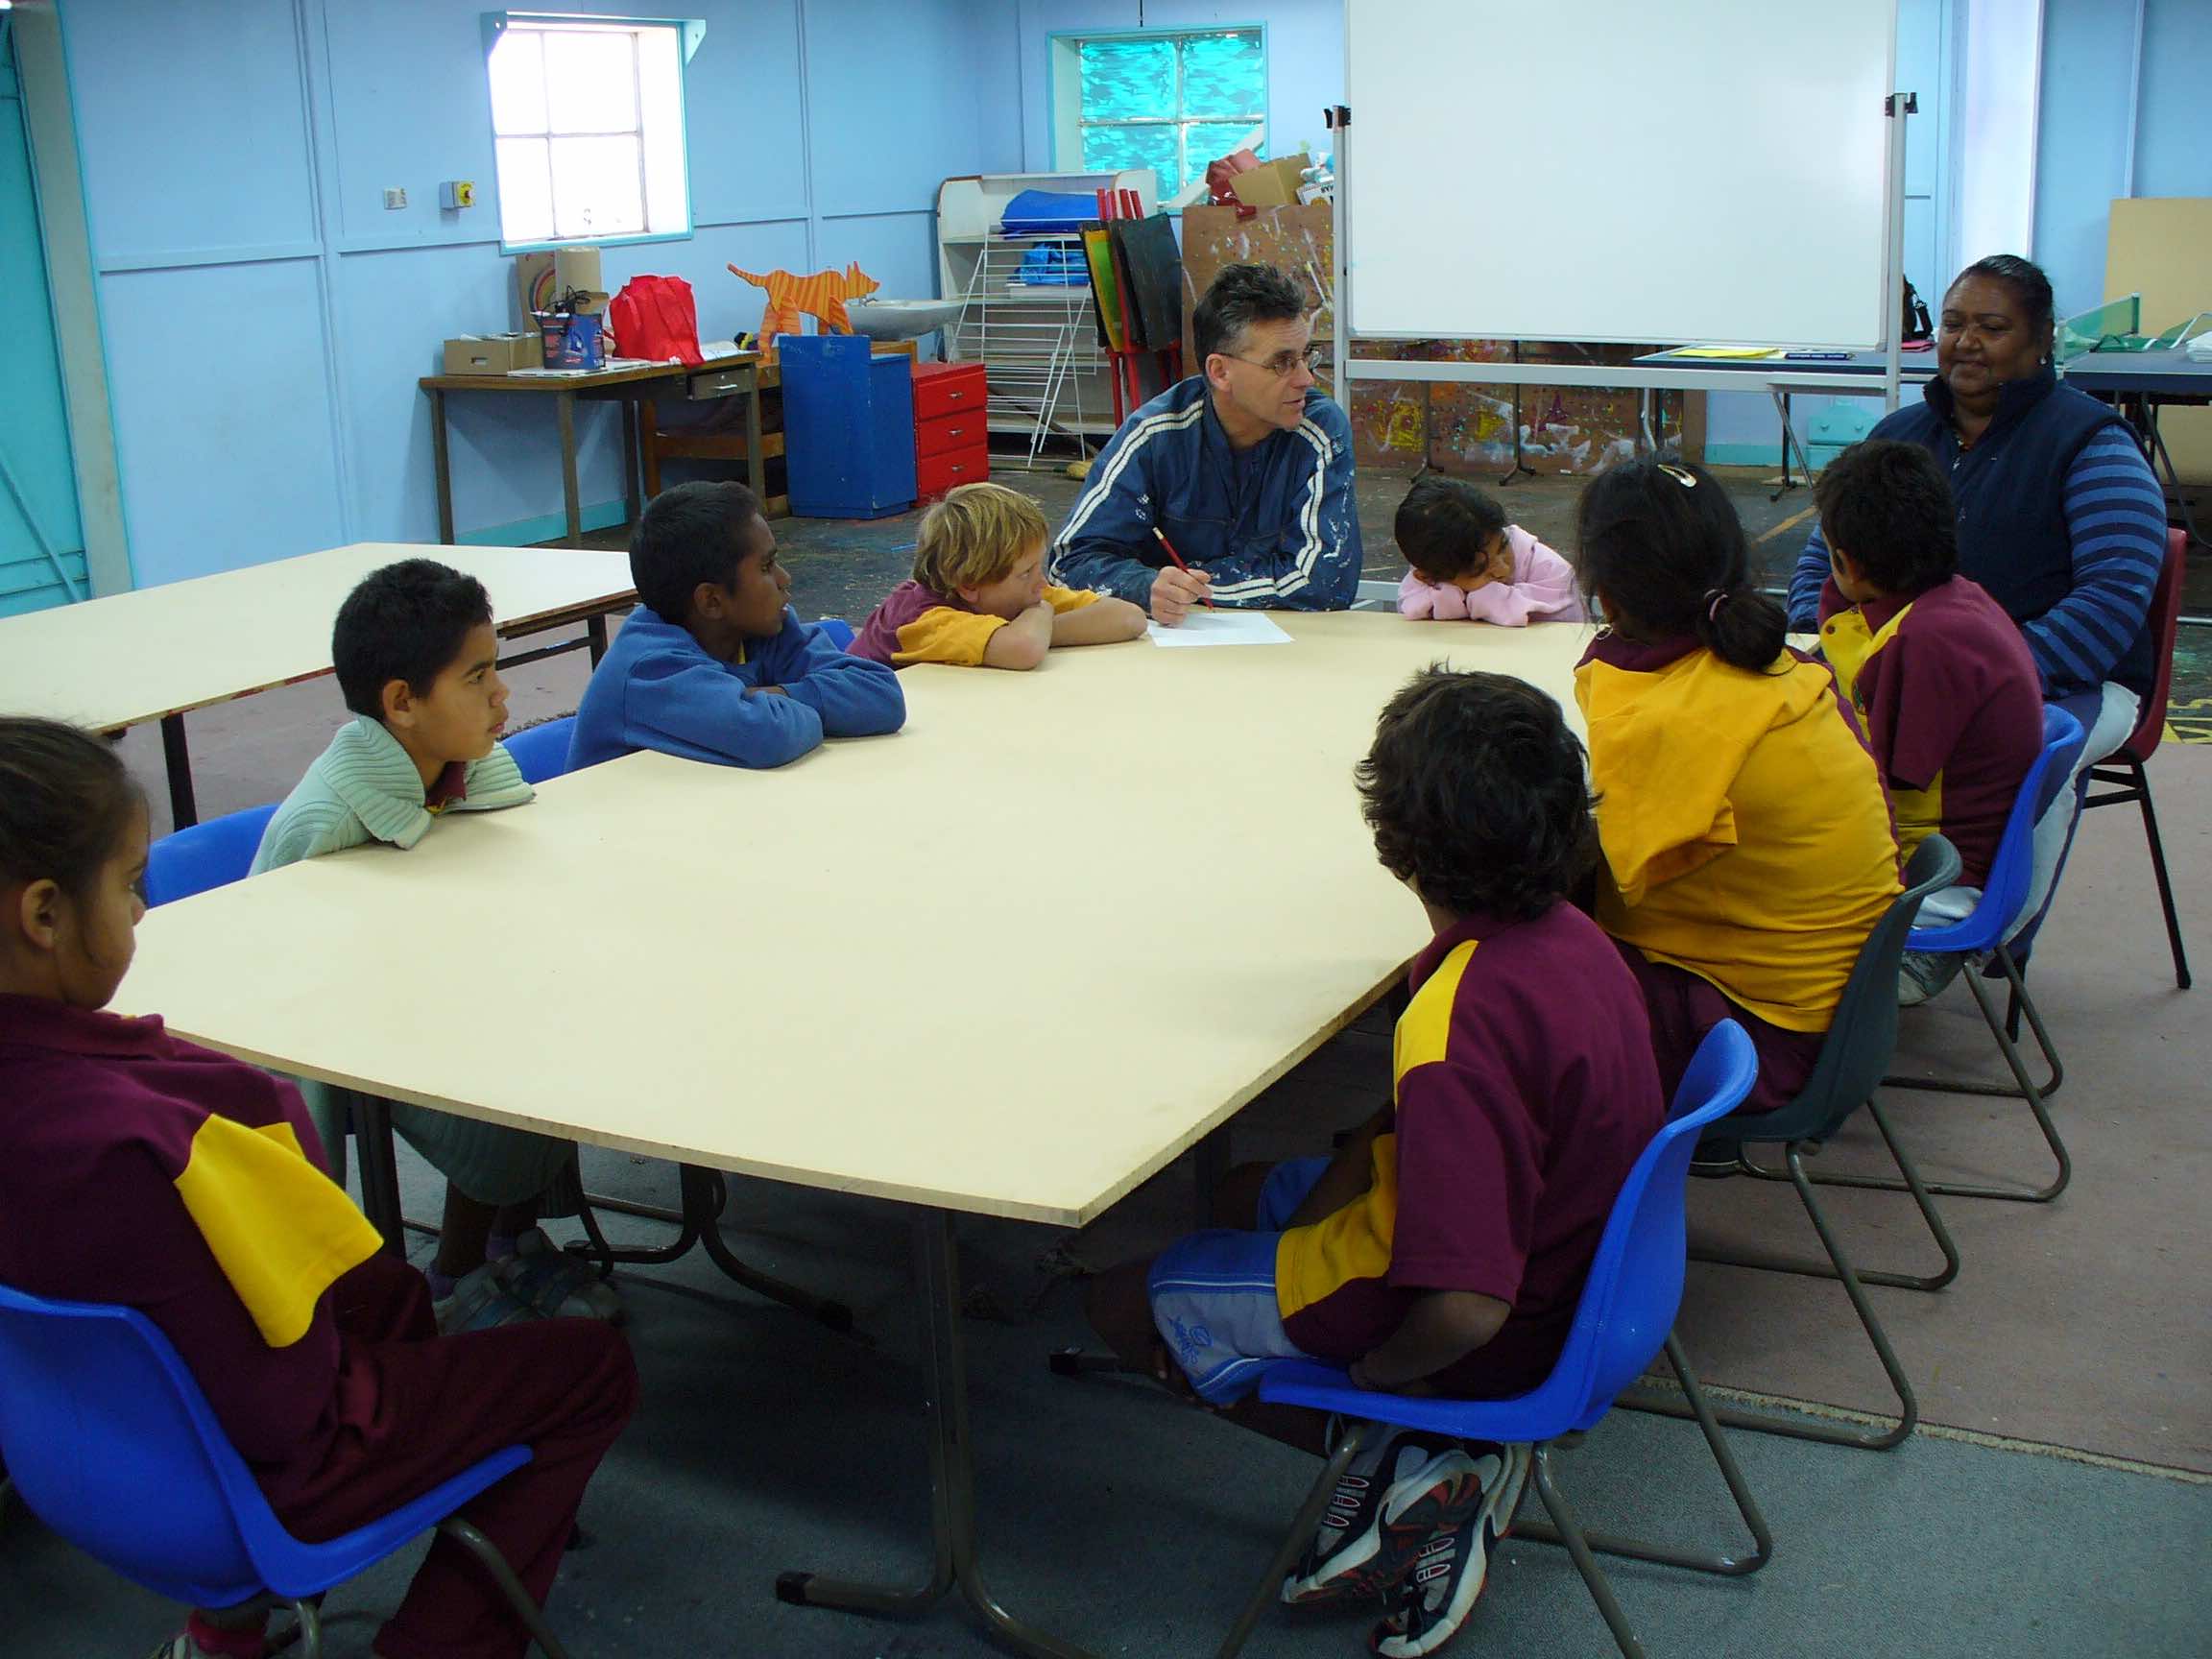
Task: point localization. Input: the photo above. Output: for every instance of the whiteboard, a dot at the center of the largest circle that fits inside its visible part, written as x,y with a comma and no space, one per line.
1692,171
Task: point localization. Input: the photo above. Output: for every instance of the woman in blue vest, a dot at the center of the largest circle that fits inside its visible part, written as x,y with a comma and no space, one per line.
2059,516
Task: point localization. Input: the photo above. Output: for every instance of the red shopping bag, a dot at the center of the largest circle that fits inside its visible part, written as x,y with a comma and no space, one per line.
654,318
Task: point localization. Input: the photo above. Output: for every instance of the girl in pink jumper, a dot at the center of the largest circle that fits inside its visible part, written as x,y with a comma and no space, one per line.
1469,564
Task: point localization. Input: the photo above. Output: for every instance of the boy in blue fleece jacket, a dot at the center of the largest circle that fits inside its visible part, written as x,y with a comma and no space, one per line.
713,665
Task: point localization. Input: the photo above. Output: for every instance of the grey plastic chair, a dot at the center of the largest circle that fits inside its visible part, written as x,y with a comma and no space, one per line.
1852,1060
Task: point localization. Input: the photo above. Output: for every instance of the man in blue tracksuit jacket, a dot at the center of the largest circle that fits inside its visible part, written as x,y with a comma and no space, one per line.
1245,467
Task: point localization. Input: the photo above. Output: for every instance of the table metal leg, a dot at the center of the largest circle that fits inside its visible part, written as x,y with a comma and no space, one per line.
632,502
2159,457
951,1474
184,810
706,1194
441,464
570,495
1207,1169
595,628
755,463
379,1171
1789,438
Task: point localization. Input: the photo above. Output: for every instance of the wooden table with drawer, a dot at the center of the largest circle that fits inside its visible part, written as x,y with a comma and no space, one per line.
952,438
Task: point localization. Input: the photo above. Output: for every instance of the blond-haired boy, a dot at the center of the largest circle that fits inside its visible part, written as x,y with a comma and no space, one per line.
979,597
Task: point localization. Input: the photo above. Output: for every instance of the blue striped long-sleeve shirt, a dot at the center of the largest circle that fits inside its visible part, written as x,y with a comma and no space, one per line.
2116,528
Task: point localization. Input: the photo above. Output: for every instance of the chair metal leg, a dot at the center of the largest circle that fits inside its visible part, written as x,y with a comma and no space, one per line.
1269,1589
705,1196
1910,1183
2018,1003
518,1598
2026,1090
835,1315
1667,1554
310,1629
2182,979
688,1225
1570,1534
1827,1433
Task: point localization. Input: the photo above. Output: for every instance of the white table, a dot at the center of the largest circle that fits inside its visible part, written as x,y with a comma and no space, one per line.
159,653
1014,960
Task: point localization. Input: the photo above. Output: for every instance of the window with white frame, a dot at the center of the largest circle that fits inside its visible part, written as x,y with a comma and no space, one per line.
1171,102
588,119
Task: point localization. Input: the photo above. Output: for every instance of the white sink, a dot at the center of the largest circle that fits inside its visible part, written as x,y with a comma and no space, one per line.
900,318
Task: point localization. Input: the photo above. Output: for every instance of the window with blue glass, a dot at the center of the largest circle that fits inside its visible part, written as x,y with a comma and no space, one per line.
1171,102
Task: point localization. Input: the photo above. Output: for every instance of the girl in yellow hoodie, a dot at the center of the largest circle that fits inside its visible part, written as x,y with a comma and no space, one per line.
1748,848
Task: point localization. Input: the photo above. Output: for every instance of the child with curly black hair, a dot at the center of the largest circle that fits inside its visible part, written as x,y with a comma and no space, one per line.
1443,1248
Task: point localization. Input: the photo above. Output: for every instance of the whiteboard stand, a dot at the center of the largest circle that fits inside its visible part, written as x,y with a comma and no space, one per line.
1896,107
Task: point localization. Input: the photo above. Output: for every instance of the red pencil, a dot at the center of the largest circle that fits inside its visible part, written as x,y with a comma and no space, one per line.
1177,557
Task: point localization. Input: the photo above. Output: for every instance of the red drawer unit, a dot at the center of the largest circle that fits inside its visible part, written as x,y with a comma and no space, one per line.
934,474
951,435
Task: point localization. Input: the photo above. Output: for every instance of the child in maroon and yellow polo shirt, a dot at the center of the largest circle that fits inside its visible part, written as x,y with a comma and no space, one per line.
1443,1248
140,1169
1940,675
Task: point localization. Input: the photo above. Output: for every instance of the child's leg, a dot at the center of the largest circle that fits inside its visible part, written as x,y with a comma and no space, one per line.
462,1234
1119,1309
416,1413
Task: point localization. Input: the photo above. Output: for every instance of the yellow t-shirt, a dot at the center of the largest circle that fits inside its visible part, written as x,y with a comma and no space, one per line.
949,634
1745,831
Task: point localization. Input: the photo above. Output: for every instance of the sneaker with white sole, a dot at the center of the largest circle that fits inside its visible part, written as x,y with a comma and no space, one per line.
1390,1499
1452,1564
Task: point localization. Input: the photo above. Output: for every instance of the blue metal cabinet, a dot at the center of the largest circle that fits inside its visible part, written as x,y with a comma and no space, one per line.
848,427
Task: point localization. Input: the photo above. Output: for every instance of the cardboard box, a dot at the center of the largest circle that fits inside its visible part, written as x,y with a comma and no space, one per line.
541,278
1272,184
493,354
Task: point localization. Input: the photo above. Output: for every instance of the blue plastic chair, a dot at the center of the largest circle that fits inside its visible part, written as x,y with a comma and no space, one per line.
837,630
1989,928
210,855
1624,1319
111,1444
542,751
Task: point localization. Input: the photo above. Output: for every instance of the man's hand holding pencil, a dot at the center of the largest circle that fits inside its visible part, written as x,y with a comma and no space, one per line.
1177,587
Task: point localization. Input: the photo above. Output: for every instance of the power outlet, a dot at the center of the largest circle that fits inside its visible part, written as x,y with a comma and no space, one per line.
396,198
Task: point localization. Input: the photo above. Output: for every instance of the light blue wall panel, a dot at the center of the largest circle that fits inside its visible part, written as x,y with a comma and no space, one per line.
2173,136
864,61
229,468
41,538
191,126
2082,143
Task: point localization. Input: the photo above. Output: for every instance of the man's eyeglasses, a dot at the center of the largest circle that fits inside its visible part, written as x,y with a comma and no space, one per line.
1284,364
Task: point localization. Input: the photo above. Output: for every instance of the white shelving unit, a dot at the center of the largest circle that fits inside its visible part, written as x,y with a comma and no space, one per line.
1039,344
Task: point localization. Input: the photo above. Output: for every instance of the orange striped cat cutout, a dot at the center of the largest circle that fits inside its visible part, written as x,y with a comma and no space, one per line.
821,297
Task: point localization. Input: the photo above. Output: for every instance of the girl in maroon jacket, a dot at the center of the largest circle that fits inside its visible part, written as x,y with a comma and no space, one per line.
140,1169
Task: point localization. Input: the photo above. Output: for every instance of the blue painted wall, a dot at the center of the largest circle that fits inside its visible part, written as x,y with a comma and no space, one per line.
2083,152
266,318
41,540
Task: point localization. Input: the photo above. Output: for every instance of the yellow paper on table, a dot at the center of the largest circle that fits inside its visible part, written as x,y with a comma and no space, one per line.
1735,352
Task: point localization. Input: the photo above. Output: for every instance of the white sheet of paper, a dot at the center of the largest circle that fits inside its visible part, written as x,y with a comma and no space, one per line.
1221,628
